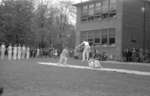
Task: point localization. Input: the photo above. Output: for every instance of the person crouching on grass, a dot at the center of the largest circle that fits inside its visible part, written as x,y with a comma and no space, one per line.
64,56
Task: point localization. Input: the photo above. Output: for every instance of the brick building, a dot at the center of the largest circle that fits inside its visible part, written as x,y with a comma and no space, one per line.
114,25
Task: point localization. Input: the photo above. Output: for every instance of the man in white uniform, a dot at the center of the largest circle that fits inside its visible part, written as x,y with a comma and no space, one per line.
3,49
27,53
15,52
64,56
86,50
38,52
19,52
9,52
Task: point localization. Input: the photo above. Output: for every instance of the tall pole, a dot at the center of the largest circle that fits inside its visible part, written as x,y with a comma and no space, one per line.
144,25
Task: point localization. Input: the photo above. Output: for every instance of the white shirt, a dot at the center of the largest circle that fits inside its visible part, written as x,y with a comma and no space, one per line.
28,49
85,43
23,49
2,47
9,48
15,49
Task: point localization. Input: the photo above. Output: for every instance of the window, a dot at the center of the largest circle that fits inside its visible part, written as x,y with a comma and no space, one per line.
111,36
91,12
104,36
91,9
113,4
84,16
112,13
97,39
91,37
85,10
98,10
98,7
83,36
91,18
113,8
105,8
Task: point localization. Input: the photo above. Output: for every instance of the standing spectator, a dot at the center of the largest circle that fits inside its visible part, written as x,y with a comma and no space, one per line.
34,52
19,52
55,53
141,55
146,55
104,56
9,52
15,52
93,51
134,55
128,54
38,52
31,52
3,50
23,52
27,52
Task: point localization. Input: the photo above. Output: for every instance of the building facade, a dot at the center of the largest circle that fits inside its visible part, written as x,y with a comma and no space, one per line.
114,25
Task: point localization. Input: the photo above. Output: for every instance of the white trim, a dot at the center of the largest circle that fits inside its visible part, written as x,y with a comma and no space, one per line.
127,63
98,69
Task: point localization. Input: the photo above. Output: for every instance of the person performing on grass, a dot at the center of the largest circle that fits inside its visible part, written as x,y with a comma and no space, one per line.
86,50
64,56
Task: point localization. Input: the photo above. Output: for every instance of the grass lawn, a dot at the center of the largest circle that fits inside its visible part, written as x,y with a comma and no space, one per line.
27,78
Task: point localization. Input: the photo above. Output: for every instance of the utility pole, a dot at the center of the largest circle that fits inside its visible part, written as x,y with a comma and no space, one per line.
144,24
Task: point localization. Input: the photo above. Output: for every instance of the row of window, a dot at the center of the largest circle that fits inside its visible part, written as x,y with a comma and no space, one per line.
98,10
100,37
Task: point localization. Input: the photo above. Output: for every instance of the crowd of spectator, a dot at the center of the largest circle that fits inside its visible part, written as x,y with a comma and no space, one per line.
129,55
18,51
136,55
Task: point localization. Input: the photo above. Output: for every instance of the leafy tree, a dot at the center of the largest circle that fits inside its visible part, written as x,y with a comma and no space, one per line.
40,26
15,20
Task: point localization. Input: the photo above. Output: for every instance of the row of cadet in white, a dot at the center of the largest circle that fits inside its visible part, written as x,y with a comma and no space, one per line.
15,52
